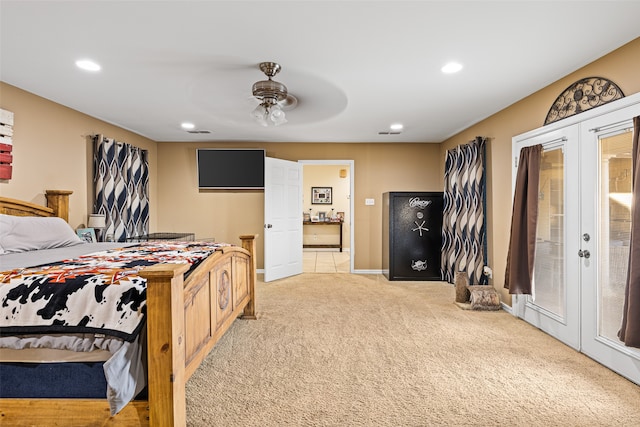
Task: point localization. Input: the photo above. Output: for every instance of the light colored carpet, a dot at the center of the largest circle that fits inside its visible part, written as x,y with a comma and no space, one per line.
358,350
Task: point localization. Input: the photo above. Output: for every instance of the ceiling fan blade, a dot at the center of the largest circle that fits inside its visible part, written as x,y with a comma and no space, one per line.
289,103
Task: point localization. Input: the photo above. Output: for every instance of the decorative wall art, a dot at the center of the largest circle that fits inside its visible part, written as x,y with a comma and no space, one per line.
583,95
6,144
321,195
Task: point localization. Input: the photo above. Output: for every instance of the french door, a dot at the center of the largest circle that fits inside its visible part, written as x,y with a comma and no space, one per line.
554,305
606,144
582,245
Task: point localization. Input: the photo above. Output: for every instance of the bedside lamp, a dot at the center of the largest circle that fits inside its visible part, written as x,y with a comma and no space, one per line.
97,221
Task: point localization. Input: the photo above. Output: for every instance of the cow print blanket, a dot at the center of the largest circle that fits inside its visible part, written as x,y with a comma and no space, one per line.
96,293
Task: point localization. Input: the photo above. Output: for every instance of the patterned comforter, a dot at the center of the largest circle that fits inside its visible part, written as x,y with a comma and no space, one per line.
96,293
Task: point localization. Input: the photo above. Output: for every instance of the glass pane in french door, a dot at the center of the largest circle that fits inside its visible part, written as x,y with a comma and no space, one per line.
549,278
615,230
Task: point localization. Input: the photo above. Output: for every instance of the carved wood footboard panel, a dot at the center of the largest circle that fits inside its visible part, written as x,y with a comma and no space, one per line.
213,300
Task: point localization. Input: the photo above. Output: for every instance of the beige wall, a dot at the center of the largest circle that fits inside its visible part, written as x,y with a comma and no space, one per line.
52,151
620,66
224,215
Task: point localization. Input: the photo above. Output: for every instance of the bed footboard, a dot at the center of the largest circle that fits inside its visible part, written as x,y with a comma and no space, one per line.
185,318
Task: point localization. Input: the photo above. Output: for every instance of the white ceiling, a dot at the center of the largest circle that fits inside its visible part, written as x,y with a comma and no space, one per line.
355,66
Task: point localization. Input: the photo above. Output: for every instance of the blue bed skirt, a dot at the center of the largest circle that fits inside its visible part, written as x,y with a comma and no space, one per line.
52,380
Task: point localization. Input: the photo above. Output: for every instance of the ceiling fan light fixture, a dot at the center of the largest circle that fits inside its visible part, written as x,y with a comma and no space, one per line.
270,93
277,116
269,89
259,112
269,114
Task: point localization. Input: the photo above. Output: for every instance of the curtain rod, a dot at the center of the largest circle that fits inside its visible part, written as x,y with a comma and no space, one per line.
612,125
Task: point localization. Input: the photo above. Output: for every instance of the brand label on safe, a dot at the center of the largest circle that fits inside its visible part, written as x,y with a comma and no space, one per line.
415,202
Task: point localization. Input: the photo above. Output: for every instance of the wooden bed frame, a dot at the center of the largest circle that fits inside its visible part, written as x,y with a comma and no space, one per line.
185,318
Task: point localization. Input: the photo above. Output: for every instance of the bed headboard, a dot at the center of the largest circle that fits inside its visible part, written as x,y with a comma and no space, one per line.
57,205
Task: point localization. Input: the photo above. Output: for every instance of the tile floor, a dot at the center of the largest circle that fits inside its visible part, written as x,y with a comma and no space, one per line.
325,262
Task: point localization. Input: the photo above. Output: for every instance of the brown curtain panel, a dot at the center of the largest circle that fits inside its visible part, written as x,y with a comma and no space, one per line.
630,331
524,219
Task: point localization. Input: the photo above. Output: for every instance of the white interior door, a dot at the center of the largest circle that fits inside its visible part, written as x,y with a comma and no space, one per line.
283,219
554,305
606,145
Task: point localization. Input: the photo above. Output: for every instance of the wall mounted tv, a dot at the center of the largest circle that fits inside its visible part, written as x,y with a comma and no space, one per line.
230,169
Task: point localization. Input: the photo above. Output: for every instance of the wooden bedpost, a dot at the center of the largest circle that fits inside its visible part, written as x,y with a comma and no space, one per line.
249,243
58,200
166,344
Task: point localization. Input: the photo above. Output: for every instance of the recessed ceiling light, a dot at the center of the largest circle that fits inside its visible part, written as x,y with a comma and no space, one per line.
451,67
186,125
396,126
87,65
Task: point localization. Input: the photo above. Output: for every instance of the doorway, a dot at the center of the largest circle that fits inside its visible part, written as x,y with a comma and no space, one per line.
583,233
328,233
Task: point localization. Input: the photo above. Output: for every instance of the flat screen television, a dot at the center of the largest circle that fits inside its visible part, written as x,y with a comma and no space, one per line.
230,169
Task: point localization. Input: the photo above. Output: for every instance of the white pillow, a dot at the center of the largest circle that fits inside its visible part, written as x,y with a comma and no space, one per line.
29,233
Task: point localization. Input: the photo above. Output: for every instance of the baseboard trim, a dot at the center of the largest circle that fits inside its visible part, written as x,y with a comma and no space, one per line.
336,250
367,271
507,308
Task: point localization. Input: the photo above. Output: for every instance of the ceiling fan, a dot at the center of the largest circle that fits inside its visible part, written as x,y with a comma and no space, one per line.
273,96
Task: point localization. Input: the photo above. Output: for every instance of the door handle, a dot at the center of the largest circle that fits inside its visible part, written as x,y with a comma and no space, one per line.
268,226
585,253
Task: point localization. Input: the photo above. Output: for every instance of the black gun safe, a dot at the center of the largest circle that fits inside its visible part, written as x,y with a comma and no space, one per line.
412,235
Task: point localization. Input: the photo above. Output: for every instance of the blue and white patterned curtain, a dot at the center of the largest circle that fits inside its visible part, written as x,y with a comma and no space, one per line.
121,180
463,223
